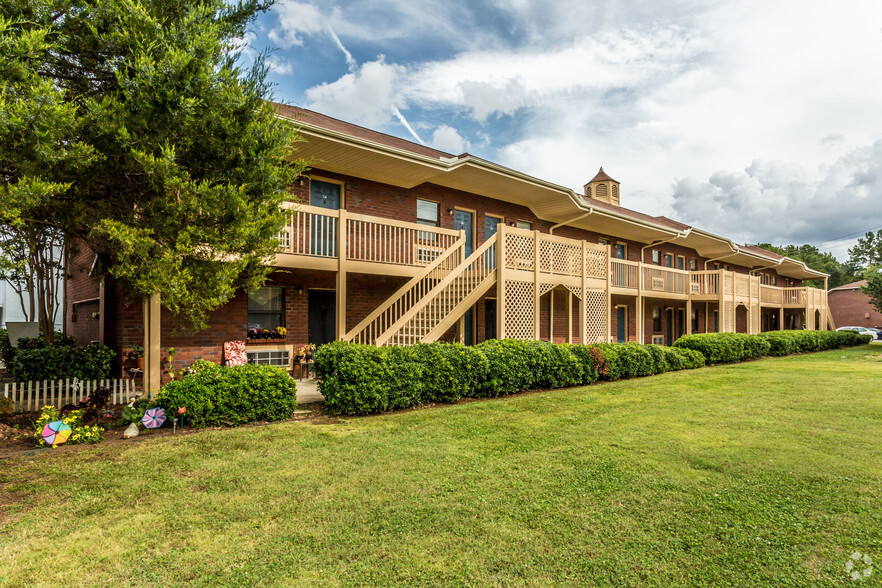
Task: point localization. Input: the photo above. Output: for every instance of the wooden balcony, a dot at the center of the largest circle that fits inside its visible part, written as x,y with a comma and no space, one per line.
313,239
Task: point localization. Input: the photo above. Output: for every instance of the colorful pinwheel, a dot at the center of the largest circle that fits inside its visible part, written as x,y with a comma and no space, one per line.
153,418
56,433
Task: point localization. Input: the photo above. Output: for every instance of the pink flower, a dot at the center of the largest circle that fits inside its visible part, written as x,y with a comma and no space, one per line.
182,410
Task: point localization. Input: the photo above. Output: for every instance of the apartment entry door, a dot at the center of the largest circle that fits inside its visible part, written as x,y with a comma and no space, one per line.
322,316
465,221
323,229
621,324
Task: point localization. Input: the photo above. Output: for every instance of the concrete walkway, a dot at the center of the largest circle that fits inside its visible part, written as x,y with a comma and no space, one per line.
308,392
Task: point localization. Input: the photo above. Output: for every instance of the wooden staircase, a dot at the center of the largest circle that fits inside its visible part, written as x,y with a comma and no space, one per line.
429,304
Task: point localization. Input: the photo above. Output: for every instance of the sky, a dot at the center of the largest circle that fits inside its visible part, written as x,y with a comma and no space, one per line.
759,121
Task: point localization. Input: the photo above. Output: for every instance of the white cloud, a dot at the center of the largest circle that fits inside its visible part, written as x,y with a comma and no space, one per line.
448,139
365,96
279,65
781,202
295,20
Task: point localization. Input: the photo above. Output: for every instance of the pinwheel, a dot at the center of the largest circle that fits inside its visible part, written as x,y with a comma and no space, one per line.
153,418
56,433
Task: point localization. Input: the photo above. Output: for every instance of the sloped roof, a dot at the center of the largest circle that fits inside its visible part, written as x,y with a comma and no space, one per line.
405,163
852,286
602,176
761,251
332,124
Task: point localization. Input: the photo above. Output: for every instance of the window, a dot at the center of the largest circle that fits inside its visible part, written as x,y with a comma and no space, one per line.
524,225
669,260
656,257
681,262
716,266
620,251
656,319
602,242
693,264
427,213
270,357
266,308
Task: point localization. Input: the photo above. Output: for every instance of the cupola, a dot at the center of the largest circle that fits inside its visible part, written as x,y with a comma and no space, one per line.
603,188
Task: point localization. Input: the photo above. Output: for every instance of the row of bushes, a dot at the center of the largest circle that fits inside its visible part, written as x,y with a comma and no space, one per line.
734,347
361,379
34,359
230,395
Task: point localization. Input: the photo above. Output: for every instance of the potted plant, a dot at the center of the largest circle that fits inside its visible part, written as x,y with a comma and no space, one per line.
137,353
306,351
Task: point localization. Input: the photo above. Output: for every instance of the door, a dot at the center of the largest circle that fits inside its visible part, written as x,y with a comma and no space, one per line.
491,225
323,230
468,333
621,324
669,327
681,322
489,319
465,221
322,316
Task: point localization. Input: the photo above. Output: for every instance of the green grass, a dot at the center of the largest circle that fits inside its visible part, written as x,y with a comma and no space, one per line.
767,473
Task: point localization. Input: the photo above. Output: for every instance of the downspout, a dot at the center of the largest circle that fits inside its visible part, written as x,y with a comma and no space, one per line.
566,222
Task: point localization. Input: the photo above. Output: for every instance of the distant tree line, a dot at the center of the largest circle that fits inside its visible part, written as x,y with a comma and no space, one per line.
864,262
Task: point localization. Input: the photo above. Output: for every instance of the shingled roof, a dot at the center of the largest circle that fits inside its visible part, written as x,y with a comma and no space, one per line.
602,176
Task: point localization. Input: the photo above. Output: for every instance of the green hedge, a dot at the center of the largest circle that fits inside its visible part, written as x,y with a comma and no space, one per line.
232,395
732,347
725,347
361,379
33,359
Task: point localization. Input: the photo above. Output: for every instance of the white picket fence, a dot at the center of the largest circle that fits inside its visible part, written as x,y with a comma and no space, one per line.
28,396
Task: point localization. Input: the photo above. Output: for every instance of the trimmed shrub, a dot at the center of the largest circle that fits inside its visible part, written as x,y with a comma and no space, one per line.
610,367
231,395
454,370
512,366
683,359
591,359
660,363
724,347
780,342
92,362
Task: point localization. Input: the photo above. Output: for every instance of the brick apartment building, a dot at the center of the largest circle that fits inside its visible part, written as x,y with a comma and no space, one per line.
850,307
391,242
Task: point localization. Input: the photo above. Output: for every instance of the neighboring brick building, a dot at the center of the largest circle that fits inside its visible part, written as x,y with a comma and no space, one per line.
416,244
852,308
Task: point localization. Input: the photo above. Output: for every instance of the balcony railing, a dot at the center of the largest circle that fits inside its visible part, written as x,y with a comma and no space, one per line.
313,232
624,273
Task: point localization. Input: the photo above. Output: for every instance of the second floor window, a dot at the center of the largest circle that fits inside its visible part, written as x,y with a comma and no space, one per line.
427,213
524,225
693,264
619,251
656,257
669,260
681,262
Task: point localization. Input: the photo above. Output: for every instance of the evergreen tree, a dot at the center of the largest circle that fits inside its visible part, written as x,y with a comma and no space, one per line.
129,126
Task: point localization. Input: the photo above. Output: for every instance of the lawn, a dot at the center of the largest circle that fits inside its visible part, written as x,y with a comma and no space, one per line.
766,473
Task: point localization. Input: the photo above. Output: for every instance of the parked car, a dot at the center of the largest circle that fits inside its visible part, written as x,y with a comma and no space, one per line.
862,330
877,331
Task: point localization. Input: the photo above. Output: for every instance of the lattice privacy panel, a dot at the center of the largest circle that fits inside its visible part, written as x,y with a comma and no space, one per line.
545,288
742,286
755,319
519,251
727,318
754,287
560,258
519,310
596,310
727,283
576,290
596,263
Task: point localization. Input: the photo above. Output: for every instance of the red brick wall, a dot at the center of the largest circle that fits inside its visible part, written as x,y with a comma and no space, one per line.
851,307
81,287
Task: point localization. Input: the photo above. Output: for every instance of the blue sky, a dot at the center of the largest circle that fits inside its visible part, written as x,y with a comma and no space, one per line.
732,115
